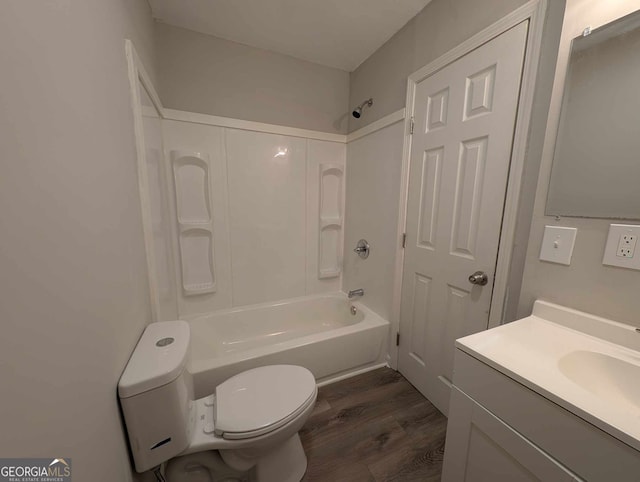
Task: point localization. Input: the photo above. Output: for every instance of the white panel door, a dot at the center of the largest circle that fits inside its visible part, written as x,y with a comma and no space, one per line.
461,149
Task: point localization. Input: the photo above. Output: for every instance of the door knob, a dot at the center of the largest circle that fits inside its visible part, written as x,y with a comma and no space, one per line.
479,278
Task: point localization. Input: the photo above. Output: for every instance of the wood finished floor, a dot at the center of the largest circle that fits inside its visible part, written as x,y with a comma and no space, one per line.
373,427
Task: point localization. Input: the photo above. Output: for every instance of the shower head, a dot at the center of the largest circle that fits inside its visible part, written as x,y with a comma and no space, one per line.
357,112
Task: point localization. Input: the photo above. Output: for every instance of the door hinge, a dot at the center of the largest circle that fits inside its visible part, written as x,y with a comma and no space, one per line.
411,126
404,240
397,338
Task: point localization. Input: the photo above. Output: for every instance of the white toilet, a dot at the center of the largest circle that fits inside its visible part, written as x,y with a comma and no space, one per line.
252,419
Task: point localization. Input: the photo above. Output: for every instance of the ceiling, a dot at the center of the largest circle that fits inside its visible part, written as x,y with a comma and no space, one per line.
336,33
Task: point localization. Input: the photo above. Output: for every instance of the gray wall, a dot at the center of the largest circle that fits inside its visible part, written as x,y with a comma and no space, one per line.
440,26
73,289
201,73
586,285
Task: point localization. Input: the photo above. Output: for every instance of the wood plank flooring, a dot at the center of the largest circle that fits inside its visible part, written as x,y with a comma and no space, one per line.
373,427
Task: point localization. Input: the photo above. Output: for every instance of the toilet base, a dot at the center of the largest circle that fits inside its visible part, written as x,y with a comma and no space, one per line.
287,463
202,467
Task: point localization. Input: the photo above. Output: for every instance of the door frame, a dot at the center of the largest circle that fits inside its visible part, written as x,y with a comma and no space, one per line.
534,11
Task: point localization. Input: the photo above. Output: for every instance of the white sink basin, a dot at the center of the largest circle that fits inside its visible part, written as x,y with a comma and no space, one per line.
586,364
612,379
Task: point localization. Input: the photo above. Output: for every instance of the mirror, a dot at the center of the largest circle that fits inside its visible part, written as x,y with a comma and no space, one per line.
596,164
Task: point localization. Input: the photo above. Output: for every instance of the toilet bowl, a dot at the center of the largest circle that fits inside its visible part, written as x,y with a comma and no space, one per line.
251,420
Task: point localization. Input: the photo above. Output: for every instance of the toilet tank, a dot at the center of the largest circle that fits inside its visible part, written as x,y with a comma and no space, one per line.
156,394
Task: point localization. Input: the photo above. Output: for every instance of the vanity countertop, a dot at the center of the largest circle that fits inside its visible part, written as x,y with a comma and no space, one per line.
586,364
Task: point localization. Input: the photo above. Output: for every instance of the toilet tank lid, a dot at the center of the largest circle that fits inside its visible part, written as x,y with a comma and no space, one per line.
159,358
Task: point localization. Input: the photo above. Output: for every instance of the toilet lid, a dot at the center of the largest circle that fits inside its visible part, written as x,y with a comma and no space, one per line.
261,400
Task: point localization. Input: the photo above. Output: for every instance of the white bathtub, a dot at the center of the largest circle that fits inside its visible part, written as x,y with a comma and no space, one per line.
317,332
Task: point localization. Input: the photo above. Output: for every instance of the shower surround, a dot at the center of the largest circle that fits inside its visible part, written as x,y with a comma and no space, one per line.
251,217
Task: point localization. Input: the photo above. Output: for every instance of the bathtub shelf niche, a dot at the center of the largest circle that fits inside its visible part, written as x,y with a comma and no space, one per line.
191,173
331,220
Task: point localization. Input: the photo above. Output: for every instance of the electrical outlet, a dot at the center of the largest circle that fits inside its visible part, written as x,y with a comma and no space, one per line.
621,246
626,246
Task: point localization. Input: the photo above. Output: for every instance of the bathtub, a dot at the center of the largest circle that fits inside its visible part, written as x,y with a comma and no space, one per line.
321,333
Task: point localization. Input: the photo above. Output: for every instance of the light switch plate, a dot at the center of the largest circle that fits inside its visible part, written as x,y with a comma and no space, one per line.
557,244
622,248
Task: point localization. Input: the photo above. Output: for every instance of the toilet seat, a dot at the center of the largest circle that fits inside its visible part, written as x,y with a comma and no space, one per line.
283,392
262,431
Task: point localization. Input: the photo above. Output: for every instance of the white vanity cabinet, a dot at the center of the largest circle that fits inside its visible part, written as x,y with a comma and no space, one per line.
482,448
513,417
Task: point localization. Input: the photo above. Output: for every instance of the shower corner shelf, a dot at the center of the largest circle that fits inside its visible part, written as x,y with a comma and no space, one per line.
330,221
191,176
199,289
329,273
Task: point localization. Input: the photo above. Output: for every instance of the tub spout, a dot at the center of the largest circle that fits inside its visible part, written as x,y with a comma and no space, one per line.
354,293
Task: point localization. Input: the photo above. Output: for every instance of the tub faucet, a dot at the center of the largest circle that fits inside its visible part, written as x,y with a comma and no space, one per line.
354,293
